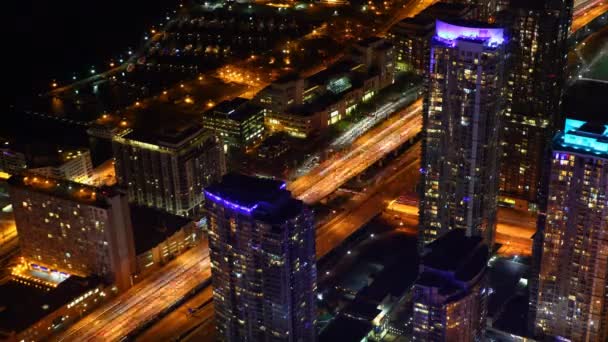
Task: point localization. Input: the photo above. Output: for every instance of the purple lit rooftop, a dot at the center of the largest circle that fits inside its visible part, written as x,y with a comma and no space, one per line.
491,35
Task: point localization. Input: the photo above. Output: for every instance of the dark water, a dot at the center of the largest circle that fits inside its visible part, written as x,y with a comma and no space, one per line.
54,40
59,39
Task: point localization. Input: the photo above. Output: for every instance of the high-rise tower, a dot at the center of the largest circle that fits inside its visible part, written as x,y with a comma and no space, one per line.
168,170
573,281
538,32
462,109
263,264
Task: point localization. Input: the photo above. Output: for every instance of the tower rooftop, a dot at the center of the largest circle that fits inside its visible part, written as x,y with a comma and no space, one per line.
263,198
583,137
449,32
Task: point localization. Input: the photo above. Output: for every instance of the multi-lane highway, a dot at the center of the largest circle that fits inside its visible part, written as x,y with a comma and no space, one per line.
397,177
379,115
187,318
144,301
409,9
365,151
587,16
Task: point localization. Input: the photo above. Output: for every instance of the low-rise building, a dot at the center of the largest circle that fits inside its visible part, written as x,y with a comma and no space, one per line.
303,107
73,164
160,237
237,122
449,296
33,314
274,146
11,160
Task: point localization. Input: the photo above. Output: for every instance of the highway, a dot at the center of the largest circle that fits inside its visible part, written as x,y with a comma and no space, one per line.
178,323
346,138
399,176
410,9
362,126
588,16
144,301
365,151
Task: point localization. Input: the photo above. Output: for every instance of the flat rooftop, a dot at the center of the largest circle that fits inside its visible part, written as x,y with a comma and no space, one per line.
583,99
173,134
456,253
152,226
68,190
585,137
263,198
238,109
39,154
22,305
345,329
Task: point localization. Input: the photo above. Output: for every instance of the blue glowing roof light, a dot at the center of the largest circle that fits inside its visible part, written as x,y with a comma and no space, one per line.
447,32
580,135
232,205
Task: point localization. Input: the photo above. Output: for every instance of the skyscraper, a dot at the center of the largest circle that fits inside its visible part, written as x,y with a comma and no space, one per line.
74,228
262,244
538,31
449,295
573,281
487,9
168,170
462,108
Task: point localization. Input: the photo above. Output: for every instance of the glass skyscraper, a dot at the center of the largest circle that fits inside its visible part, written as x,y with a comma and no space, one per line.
462,109
169,169
572,285
263,263
538,46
